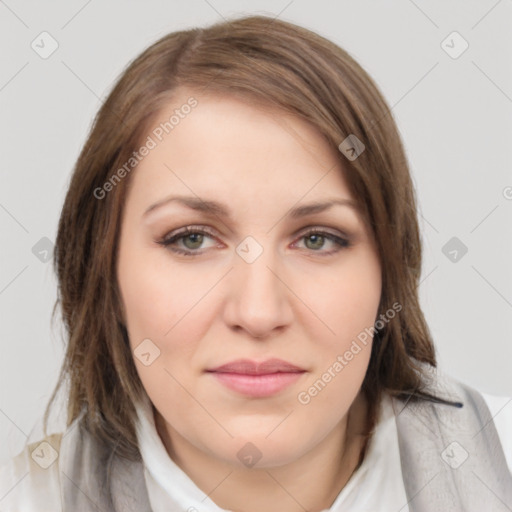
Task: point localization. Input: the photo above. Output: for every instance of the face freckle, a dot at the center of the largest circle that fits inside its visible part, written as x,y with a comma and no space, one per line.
261,284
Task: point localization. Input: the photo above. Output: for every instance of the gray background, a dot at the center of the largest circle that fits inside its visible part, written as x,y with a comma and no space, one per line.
455,116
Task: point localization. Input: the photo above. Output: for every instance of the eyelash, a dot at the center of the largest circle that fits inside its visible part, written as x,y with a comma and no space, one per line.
167,240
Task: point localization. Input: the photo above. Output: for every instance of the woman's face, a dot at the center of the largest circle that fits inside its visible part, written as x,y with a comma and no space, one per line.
251,280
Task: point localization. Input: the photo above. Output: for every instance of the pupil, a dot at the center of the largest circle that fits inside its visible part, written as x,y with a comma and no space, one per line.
195,238
318,241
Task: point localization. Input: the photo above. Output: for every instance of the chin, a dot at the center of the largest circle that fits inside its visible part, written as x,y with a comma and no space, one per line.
261,451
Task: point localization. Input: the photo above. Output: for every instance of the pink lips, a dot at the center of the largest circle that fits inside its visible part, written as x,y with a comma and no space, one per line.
257,379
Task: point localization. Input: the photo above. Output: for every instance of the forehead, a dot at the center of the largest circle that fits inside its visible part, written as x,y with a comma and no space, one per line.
230,146
232,122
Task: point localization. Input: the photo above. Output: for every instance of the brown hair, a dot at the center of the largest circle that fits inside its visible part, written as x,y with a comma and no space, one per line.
283,66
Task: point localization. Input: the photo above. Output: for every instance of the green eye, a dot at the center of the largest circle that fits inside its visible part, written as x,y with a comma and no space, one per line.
193,240
189,241
322,242
317,241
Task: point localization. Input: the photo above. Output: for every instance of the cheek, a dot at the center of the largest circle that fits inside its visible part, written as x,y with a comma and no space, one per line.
158,298
344,302
162,304
348,308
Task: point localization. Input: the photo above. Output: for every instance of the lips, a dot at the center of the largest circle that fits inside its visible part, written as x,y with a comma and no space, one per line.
248,367
257,380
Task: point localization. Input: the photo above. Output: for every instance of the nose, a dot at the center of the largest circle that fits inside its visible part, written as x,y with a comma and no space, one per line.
258,299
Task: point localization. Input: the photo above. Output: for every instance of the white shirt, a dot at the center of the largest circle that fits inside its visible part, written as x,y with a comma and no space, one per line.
376,486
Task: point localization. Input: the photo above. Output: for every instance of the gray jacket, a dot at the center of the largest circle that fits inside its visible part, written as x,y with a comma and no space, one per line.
451,459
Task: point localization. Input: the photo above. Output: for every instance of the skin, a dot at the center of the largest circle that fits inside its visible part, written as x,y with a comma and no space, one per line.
296,302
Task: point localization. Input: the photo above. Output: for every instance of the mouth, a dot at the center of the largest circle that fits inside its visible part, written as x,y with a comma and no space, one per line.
255,379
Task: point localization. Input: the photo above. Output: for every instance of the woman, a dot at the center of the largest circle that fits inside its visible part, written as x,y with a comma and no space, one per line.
238,260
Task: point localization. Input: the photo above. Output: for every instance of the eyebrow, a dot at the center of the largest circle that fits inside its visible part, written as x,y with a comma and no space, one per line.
217,209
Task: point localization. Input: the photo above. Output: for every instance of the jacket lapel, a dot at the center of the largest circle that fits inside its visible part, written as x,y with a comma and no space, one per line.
451,457
95,479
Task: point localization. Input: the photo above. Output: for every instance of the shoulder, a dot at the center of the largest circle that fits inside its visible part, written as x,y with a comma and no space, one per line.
30,481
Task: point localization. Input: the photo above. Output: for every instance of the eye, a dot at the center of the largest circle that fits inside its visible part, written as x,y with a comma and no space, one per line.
317,239
187,240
